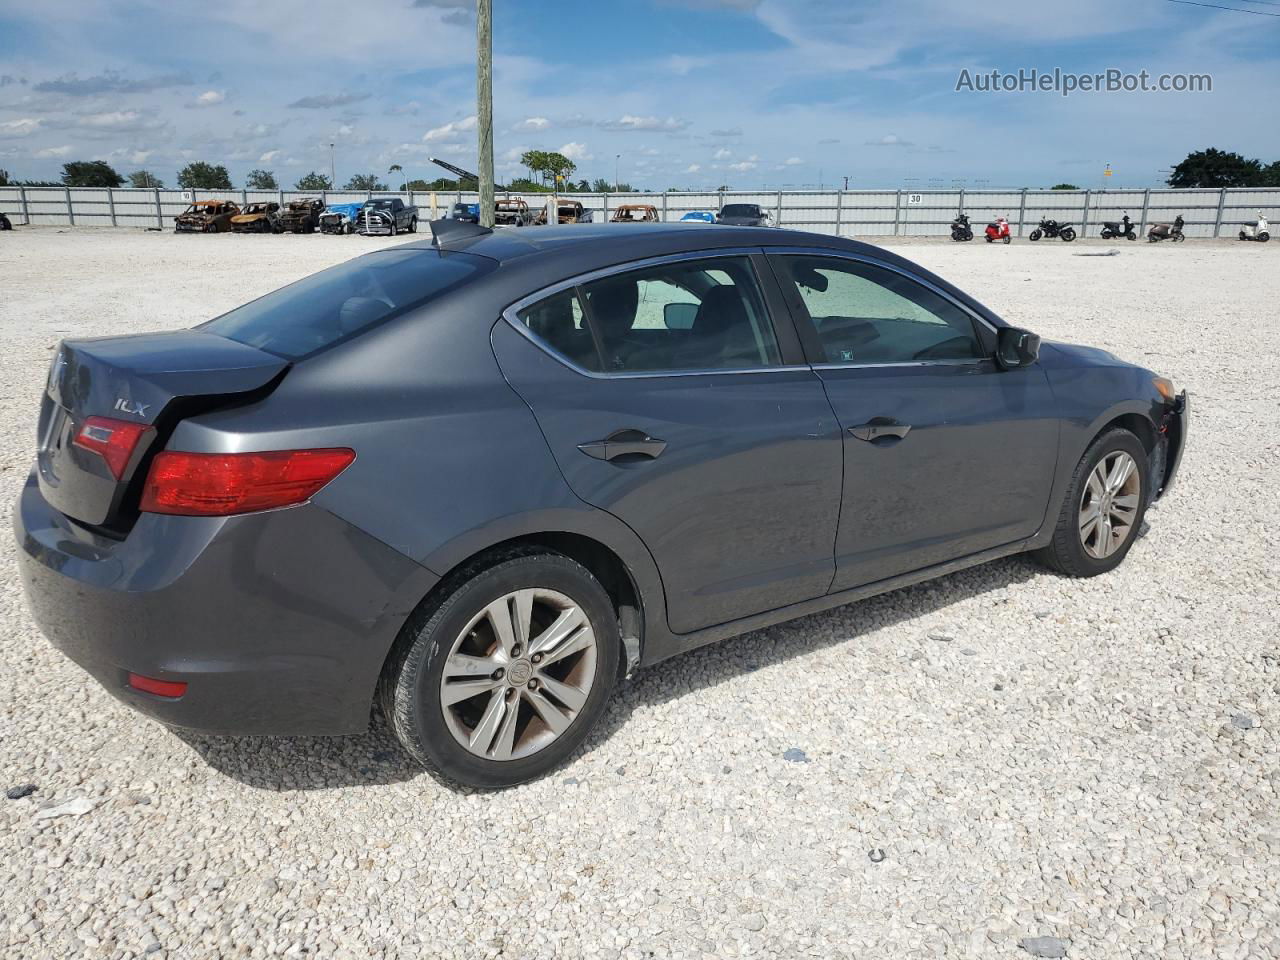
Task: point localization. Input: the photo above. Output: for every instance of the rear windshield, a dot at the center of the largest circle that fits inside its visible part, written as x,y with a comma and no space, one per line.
346,300
740,210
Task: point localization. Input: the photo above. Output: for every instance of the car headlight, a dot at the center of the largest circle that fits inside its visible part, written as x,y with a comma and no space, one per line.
1165,388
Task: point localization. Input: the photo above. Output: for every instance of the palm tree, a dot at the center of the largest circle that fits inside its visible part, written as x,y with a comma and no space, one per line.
396,168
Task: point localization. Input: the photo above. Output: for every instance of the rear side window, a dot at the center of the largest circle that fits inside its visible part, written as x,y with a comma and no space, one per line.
346,300
690,315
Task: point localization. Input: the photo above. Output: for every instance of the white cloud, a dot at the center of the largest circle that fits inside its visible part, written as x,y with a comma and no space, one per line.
722,154
890,140
51,152
631,122
210,98
743,165
575,151
19,128
113,118
693,168
533,123
793,161
450,130
269,156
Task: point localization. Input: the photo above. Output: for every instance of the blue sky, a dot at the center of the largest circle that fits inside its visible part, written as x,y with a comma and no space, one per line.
677,93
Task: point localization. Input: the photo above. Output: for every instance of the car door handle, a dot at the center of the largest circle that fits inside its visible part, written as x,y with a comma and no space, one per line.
634,444
879,427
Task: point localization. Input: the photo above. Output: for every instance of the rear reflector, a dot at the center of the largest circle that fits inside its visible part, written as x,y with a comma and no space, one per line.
222,484
113,440
161,688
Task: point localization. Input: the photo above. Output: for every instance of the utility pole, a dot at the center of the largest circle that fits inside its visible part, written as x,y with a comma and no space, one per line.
484,106
333,177
616,158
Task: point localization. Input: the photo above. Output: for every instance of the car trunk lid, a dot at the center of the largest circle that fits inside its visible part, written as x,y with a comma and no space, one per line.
109,404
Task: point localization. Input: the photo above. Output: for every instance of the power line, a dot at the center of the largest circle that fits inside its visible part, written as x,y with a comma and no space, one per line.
1214,6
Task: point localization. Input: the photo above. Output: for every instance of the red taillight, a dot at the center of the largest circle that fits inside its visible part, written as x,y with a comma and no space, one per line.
161,688
221,484
113,440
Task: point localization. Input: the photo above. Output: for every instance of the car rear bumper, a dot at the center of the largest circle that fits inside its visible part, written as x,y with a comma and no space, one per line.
278,622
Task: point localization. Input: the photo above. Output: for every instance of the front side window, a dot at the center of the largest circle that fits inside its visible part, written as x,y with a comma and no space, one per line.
690,315
868,314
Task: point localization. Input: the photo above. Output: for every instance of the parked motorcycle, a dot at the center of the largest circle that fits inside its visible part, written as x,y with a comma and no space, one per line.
999,230
960,229
1166,231
1052,228
1258,232
1124,228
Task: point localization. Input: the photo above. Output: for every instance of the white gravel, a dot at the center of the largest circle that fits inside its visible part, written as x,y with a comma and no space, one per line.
1090,763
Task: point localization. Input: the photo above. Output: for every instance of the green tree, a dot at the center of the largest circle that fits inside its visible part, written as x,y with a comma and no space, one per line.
1271,174
365,181
314,181
204,176
90,173
1216,168
1064,186
396,168
145,179
261,180
4,178
440,183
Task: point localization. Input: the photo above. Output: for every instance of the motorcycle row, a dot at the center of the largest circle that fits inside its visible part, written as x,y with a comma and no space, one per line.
998,230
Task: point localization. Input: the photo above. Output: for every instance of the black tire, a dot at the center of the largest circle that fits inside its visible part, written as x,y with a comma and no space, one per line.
395,228
989,238
1131,235
409,690
1065,553
1178,238
1263,237
1035,235
1008,239
1067,234
413,225
968,234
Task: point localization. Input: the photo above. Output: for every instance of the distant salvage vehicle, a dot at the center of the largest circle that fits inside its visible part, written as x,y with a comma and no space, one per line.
743,215
635,213
340,217
303,216
388,215
206,216
1260,231
1052,228
698,216
1167,231
567,211
469,212
512,212
258,218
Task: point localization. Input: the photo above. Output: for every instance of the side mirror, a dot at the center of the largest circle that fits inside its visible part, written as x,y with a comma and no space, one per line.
1016,347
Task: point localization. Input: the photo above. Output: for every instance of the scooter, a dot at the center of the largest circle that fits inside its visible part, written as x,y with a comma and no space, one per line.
999,230
1052,228
1166,231
960,229
1258,231
1122,229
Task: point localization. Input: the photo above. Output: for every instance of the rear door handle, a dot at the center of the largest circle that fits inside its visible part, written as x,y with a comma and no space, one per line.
879,427
624,443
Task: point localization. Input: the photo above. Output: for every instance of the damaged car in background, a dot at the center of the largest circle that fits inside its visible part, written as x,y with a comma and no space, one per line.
512,212
258,218
567,211
340,217
387,215
303,216
206,216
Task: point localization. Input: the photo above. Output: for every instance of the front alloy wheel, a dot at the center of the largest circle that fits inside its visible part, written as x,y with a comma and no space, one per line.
1109,505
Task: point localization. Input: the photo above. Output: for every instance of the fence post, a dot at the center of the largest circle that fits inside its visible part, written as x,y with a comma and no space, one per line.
897,211
664,206
1146,202
1217,223
159,212
777,215
719,200
280,199
71,214
26,214
244,197
1084,217
111,204
606,206
1022,210
839,209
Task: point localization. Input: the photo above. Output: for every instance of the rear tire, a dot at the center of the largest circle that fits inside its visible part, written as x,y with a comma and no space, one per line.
1034,235
413,225
454,631
1072,552
1008,239
1263,237
1067,234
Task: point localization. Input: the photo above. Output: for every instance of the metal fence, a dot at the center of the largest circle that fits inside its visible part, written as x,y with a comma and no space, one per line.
848,213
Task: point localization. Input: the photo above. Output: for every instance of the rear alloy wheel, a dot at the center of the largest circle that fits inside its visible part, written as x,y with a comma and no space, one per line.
1103,508
506,675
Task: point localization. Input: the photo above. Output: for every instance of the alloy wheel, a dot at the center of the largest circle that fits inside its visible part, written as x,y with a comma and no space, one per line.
518,674
1109,505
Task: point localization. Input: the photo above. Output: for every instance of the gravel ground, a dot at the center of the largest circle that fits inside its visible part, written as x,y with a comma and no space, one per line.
998,764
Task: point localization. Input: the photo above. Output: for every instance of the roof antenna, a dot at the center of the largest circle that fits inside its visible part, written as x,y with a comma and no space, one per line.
448,231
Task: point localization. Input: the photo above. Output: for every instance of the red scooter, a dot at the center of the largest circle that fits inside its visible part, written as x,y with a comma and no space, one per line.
999,230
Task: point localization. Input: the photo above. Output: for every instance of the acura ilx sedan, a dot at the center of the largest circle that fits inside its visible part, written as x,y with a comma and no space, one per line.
481,478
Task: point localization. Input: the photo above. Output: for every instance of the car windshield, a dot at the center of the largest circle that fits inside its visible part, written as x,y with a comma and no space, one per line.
379,204
347,300
740,210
